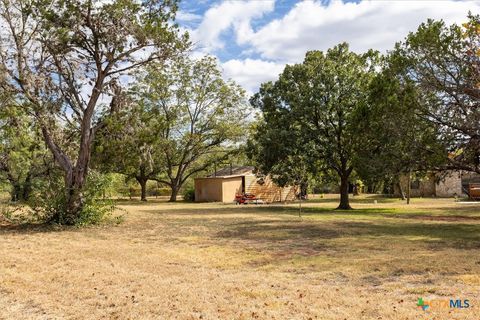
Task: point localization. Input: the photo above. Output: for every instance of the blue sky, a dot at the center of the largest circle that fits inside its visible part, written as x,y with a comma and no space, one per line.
232,50
253,40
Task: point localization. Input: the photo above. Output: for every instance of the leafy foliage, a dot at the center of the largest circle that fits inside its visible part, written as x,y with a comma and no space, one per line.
128,143
49,201
444,62
189,194
396,138
61,58
309,111
198,116
24,160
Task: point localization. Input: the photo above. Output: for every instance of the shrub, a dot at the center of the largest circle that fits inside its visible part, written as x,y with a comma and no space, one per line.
189,194
49,203
96,209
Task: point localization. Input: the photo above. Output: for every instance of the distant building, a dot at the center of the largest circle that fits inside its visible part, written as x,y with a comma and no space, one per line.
224,185
441,184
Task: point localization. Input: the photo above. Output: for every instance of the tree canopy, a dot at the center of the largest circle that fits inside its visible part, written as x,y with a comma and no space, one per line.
318,99
23,156
444,63
113,86
63,58
182,118
395,137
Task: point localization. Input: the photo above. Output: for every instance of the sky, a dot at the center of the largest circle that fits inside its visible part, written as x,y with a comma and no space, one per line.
254,40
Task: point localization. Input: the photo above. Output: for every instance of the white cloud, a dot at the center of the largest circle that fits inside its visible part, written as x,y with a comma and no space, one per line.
249,73
369,24
184,16
312,25
230,14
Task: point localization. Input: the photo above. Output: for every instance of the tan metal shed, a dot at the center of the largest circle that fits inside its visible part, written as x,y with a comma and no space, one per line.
225,184
221,189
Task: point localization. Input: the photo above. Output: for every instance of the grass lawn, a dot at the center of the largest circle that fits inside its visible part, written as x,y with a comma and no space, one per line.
215,261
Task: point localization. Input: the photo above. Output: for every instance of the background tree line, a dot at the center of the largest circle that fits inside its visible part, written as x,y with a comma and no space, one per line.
88,88
372,116
106,87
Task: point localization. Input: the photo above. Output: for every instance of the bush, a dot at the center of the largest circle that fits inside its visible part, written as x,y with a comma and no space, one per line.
189,194
49,202
96,209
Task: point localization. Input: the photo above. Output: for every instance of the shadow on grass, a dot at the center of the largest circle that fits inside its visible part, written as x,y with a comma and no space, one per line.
280,239
310,237
470,209
460,214
278,231
456,234
357,199
138,202
281,211
30,228
190,208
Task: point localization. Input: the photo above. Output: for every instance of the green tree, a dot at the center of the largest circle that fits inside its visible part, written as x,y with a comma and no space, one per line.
190,118
276,146
318,98
395,138
129,143
23,157
63,58
444,62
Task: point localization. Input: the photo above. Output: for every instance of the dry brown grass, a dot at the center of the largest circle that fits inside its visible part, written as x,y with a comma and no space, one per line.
214,261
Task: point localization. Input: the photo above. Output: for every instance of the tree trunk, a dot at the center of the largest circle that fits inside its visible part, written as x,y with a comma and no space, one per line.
16,192
344,200
74,205
304,190
400,188
74,199
21,191
409,187
174,194
143,185
355,190
27,187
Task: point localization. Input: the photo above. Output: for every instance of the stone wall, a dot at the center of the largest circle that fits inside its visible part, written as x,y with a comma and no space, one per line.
449,184
423,187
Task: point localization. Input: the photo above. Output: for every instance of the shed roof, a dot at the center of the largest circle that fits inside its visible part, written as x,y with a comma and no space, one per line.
232,171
